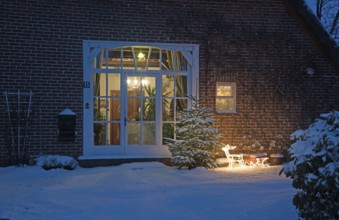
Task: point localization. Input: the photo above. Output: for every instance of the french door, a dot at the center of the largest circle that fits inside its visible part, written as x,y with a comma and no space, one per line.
132,95
126,112
141,120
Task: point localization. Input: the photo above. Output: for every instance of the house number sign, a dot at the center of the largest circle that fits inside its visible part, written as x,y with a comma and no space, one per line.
86,84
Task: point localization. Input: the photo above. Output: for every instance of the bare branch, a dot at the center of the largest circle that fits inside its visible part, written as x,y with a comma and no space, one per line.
334,23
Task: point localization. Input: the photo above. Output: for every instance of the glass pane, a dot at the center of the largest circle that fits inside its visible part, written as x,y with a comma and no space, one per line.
114,58
114,133
181,62
167,60
181,86
149,109
134,109
141,56
167,131
148,133
99,82
148,84
181,104
154,60
224,104
167,110
133,133
99,133
99,61
128,59
224,90
114,109
113,82
167,85
99,113
133,84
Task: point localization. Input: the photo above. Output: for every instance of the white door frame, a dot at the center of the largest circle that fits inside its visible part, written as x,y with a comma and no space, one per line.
90,50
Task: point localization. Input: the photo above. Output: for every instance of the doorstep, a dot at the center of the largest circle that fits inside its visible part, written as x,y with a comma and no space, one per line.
87,162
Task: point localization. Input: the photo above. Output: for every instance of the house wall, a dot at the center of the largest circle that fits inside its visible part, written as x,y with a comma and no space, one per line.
256,44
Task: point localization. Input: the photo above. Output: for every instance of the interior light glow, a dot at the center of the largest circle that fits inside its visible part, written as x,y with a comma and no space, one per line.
141,56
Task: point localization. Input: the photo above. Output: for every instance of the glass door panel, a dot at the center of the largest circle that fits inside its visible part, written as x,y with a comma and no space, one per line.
99,131
148,133
107,126
141,110
114,131
133,131
134,109
149,109
99,116
114,118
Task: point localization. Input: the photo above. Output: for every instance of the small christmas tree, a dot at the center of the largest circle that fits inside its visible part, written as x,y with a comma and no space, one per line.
195,138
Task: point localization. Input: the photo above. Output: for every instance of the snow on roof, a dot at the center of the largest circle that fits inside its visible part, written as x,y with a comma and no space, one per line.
304,15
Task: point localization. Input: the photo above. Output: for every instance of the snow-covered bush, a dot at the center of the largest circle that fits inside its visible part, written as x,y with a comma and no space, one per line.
250,144
314,168
195,138
54,161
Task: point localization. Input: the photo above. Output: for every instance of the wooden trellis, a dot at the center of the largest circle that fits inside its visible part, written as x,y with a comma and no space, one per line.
19,112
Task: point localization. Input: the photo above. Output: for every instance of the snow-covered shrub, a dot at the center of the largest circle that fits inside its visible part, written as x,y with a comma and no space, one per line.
195,138
54,161
250,144
314,168
278,145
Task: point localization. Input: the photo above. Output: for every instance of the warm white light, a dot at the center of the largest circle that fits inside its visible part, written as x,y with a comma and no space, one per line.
135,82
144,82
141,56
128,81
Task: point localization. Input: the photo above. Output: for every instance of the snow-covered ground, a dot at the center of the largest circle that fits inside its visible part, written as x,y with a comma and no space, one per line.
145,191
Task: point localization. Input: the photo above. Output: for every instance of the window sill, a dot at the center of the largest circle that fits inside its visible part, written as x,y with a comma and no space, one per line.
227,112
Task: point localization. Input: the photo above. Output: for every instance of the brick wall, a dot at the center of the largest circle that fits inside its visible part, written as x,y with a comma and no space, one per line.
253,43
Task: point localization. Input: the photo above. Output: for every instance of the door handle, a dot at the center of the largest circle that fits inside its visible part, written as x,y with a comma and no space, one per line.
125,121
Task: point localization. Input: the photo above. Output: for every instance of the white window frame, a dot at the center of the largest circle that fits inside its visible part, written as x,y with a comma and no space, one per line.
232,97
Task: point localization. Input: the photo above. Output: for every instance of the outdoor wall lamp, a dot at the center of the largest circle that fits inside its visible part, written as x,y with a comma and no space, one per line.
310,71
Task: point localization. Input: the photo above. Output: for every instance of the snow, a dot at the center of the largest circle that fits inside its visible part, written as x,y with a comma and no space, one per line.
67,111
321,139
56,161
314,167
145,191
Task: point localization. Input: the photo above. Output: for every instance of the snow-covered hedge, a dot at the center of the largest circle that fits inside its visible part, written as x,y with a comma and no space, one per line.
314,168
54,161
